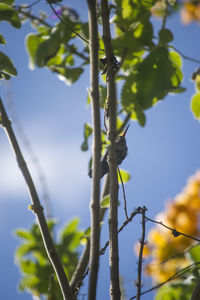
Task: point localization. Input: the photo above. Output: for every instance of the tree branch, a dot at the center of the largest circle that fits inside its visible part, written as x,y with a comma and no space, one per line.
142,243
111,104
95,200
37,208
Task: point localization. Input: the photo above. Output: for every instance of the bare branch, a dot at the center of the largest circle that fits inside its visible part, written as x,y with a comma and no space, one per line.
37,208
142,243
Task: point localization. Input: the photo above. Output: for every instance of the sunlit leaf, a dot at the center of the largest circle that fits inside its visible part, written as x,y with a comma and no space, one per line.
68,75
6,65
105,202
125,176
194,254
87,133
9,14
195,105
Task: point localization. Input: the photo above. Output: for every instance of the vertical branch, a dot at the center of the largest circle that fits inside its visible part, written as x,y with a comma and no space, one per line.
142,243
37,208
111,104
95,200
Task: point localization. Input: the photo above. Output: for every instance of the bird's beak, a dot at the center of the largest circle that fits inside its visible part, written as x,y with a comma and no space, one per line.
126,130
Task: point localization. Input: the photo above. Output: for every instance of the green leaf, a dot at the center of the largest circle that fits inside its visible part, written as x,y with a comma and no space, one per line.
177,76
6,65
105,202
194,254
28,267
70,235
32,42
2,40
24,234
167,293
87,133
125,176
47,49
165,36
68,75
9,2
9,14
102,95
24,249
195,105
29,282
129,102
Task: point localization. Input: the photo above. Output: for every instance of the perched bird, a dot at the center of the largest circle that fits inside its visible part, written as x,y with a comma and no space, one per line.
121,152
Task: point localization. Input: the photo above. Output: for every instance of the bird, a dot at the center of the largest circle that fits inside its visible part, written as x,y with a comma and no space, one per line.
121,152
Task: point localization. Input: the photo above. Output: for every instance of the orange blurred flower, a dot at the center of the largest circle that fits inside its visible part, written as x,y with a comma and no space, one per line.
182,214
190,12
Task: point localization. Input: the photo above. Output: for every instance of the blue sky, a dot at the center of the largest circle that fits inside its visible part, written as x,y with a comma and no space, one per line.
161,156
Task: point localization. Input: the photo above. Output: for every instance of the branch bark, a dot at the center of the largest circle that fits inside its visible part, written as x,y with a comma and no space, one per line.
95,200
111,104
37,208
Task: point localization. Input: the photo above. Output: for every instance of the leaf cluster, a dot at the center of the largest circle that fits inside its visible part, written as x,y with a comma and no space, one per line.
38,274
8,14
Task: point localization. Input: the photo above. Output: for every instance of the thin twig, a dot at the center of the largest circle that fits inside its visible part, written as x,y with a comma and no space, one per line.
185,56
176,275
124,194
175,232
31,153
67,25
142,243
133,214
37,208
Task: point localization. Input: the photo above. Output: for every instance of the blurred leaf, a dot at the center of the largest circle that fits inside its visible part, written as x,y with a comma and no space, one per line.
9,2
68,75
9,14
87,133
24,249
102,95
24,234
32,42
6,65
195,105
47,49
105,202
165,36
29,282
2,40
167,293
125,176
28,266
194,254
119,122
70,235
